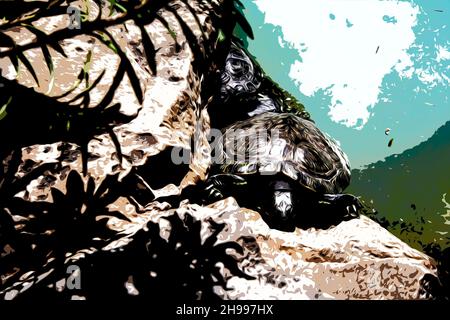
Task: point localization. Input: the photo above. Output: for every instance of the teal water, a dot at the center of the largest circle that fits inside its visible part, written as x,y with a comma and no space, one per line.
412,109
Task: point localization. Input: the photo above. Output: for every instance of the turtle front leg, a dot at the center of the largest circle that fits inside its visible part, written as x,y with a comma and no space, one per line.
327,210
220,186
347,205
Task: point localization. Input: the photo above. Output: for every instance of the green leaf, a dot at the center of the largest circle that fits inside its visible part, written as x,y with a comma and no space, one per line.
114,4
57,47
15,62
149,49
88,89
242,21
106,40
239,4
197,20
3,112
27,65
42,37
169,29
87,62
191,38
6,41
48,59
134,80
221,37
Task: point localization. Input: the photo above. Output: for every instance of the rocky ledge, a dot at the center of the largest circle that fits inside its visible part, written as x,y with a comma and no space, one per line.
357,259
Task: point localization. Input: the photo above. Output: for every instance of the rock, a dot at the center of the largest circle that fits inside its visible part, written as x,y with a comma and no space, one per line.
168,117
357,259
171,114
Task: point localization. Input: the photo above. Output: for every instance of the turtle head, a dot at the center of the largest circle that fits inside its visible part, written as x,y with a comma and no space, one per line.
279,210
283,204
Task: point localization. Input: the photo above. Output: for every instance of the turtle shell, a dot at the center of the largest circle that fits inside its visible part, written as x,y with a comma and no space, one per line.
283,143
240,76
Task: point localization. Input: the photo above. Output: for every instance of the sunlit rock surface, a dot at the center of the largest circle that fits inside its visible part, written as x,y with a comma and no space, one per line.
357,259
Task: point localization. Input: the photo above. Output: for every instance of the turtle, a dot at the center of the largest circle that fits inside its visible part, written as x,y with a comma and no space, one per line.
244,91
284,167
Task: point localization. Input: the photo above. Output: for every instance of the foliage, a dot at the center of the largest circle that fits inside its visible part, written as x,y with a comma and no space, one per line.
183,266
51,232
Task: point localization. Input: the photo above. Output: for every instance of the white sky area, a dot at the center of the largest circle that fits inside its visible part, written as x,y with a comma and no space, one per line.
443,53
339,55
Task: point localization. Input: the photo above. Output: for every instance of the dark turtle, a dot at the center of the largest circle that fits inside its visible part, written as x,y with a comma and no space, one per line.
245,91
283,166
240,76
